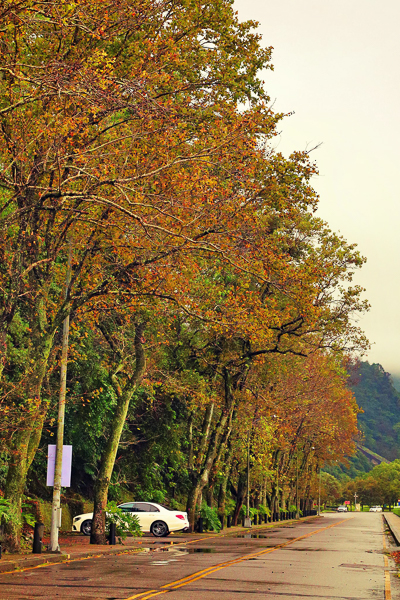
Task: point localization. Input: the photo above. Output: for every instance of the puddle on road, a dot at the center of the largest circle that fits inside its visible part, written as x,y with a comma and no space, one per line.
177,553
167,543
185,550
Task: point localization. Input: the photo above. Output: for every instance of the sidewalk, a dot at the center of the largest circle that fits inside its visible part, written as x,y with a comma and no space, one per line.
77,547
393,522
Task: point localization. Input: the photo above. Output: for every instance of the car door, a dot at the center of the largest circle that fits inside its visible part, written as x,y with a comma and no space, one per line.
131,507
147,513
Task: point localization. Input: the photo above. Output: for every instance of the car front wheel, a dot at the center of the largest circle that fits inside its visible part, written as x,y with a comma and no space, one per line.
159,529
86,527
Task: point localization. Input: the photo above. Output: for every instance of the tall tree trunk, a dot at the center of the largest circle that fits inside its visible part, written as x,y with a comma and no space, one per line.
240,496
3,350
264,492
210,494
203,475
218,439
224,485
190,433
108,459
25,445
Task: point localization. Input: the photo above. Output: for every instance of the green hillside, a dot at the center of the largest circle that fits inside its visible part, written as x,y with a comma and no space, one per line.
380,422
375,392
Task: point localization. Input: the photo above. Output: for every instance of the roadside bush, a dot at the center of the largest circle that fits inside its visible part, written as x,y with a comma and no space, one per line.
210,517
125,522
264,510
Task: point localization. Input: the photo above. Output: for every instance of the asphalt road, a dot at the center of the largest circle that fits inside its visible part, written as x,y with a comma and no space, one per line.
338,556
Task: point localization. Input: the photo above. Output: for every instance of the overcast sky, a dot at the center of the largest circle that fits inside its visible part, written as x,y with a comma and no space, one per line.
337,67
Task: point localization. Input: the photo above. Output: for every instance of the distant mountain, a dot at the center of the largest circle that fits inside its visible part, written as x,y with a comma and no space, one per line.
377,396
396,382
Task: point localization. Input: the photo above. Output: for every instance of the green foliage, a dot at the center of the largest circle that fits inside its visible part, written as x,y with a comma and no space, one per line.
229,506
28,517
380,486
253,512
210,517
379,420
8,512
380,402
264,510
156,433
175,505
127,523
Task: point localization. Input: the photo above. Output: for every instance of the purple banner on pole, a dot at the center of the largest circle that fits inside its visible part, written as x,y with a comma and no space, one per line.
66,465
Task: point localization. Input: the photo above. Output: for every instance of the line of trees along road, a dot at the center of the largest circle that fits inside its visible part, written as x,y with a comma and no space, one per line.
207,302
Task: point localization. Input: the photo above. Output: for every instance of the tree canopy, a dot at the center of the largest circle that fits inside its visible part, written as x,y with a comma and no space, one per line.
208,303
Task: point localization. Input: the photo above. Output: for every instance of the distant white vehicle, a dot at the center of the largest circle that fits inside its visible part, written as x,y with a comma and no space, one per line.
342,508
375,509
153,518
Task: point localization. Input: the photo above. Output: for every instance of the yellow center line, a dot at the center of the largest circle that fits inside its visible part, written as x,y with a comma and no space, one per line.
200,574
388,592
129,551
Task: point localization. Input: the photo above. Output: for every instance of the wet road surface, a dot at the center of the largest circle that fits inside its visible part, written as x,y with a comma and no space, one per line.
337,556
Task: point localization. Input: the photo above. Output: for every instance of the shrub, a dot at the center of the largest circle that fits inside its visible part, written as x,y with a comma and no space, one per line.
210,517
125,522
9,514
264,510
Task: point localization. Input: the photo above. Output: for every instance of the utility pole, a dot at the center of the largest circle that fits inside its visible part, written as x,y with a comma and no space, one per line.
297,488
278,501
247,522
56,506
319,493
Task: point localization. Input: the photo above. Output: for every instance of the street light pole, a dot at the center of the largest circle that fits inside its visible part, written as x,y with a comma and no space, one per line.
297,488
319,494
56,506
247,521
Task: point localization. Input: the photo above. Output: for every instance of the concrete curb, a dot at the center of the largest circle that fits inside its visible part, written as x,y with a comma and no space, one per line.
12,565
393,522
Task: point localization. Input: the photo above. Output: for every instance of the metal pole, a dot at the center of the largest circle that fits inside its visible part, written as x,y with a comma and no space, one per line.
56,506
113,533
248,475
37,538
297,488
247,521
319,493
278,511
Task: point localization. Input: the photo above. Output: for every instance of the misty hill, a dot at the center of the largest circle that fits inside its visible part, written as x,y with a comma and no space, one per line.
380,422
376,394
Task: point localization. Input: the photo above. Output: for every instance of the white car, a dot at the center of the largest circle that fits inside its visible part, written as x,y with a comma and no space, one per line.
153,518
342,508
375,509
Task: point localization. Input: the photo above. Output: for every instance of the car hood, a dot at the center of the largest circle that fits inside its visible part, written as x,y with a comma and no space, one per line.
85,516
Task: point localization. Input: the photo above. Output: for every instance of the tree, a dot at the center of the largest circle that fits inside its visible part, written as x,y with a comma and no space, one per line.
148,151
116,123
